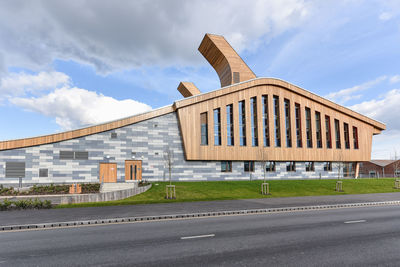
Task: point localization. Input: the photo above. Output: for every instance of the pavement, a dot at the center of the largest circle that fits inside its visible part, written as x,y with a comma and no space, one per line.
92,213
367,236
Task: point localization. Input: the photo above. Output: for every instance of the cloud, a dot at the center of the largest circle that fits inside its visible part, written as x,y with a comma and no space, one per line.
386,110
385,16
75,107
20,83
345,95
395,79
127,34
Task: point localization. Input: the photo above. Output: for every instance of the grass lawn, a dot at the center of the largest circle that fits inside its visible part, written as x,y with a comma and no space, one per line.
223,190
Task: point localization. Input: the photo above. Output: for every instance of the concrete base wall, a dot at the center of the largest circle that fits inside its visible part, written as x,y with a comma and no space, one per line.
83,198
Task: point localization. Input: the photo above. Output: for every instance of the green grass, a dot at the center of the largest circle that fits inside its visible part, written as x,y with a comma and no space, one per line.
224,190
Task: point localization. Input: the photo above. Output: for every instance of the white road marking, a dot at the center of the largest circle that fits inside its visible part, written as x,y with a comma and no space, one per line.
359,221
197,236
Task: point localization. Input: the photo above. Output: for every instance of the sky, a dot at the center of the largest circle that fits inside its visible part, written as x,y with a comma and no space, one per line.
69,64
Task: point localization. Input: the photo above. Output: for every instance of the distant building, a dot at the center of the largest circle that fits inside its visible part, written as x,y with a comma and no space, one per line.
380,168
231,133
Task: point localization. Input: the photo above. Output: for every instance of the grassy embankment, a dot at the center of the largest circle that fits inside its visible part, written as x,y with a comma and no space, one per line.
224,190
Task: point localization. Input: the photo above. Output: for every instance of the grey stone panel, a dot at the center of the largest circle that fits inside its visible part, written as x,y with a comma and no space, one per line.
145,141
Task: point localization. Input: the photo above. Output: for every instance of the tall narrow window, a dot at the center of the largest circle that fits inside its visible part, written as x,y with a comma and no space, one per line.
298,125
287,124
265,120
318,129
242,123
254,129
226,166
309,166
248,166
291,166
308,128
337,133
328,132
204,128
217,127
229,125
346,135
277,122
355,137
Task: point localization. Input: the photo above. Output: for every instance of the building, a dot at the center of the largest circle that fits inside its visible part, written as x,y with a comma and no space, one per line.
380,168
227,134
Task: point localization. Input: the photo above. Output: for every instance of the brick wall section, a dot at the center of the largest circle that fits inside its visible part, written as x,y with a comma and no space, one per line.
387,171
148,140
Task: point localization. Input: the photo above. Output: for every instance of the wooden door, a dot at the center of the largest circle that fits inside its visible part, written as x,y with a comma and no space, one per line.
133,170
108,172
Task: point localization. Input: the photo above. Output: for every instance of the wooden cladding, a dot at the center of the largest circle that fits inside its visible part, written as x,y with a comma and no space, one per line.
264,108
224,59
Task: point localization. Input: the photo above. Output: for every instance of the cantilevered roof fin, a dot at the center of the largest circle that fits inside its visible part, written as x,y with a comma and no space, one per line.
223,58
188,89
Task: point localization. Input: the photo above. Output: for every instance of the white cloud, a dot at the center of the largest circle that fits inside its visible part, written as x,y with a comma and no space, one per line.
20,83
75,107
385,109
385,16
345,95
125,34
395,79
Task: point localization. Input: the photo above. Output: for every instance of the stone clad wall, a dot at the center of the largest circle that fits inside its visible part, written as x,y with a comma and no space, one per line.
144,141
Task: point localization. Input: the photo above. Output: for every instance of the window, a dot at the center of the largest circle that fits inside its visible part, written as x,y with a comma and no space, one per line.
355,137
217,127
309,166
348,169
328,166
78,155
236,77
277,122
308,128
346,135
337,133
287,123
318,129
270,166
229,125
254,129
15,169
43,172
113,135
248,166
328,132
298,125
204,128
226,166
66,154
265,120
291,166
81,155
242,123
372,174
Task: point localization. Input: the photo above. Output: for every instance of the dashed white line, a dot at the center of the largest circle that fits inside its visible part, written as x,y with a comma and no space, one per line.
359,221
197,236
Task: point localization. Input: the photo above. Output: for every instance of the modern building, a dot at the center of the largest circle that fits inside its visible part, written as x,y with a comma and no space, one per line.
227,134
380,168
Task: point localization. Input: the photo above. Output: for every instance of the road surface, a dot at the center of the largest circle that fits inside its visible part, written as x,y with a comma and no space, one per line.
338,237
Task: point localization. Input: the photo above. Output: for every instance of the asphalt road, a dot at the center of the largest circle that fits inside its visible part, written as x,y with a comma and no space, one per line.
339,237
76,214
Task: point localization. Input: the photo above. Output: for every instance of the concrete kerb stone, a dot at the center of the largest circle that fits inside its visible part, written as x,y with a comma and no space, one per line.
189,215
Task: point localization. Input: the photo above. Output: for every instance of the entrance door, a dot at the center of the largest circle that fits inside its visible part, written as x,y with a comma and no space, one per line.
133,170
108,172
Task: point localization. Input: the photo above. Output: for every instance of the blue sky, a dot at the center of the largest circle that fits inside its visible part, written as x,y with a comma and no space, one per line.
67,64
